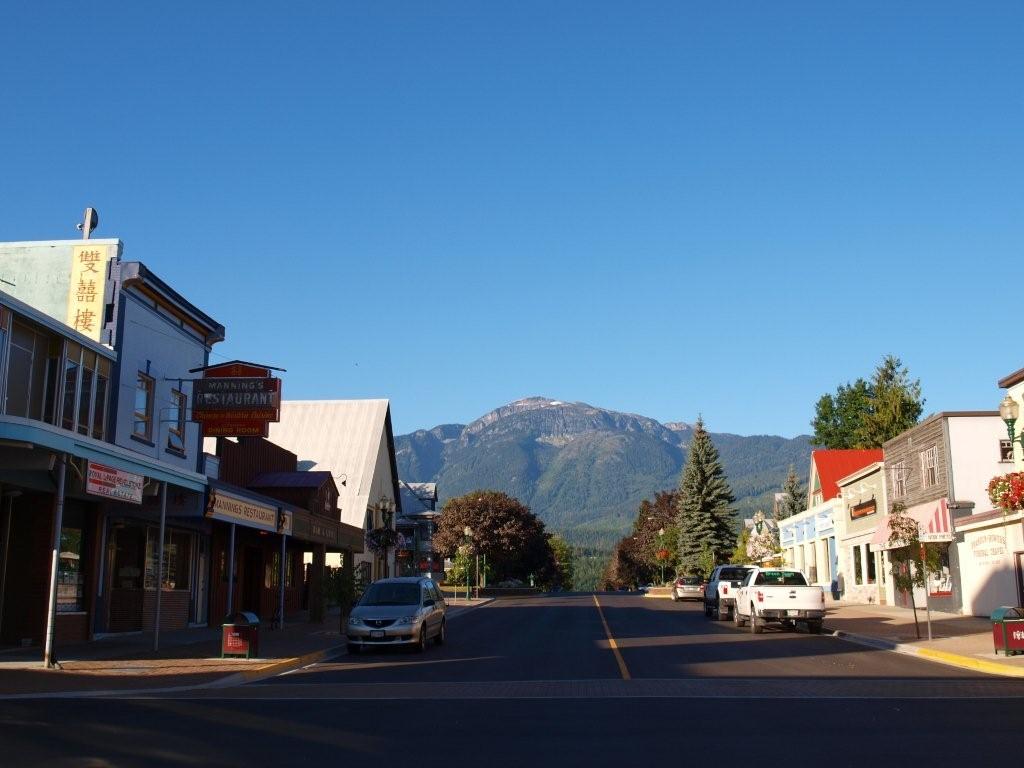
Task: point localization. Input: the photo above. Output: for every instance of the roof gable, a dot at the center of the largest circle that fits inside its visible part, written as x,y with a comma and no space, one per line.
344,438
831,466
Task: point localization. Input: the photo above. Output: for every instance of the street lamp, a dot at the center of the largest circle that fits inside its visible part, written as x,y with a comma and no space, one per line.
661,533
1009,411
468,533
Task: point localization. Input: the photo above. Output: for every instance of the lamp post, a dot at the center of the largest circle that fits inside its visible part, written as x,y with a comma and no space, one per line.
1009,411
387,513
468,533
661,546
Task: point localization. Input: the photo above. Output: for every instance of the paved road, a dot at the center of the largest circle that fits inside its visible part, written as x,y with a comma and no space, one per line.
537,682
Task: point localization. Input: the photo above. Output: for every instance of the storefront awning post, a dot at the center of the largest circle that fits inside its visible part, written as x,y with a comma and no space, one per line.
160,565
231,572
280,599
58,521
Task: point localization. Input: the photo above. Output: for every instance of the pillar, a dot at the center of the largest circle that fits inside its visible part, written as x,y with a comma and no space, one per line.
316,583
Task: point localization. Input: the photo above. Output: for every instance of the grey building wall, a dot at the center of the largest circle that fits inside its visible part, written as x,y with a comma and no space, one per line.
152,342
907,448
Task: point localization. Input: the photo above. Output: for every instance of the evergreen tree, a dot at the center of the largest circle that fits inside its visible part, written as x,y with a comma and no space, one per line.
705,519
896,404
795,499
867,413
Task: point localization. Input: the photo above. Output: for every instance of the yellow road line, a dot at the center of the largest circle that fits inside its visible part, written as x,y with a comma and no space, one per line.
623,669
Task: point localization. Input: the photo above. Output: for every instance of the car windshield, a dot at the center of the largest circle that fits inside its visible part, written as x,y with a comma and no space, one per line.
391,594
733,574
691,581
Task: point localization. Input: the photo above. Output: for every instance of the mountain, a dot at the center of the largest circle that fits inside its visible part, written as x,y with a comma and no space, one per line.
584,470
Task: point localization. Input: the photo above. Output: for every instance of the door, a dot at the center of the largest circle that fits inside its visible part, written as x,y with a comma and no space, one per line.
1018,563
198,615
128,556
252,577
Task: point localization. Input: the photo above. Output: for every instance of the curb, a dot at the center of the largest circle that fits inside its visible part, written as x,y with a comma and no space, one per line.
930,654
271,670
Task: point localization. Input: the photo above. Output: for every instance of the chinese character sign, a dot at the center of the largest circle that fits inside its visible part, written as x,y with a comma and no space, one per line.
85,297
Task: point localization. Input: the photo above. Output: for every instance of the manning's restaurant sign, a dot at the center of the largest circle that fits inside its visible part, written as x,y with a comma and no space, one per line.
236,399
232,509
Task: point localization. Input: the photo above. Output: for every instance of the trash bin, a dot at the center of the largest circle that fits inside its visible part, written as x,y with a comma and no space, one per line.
240,635
1008,630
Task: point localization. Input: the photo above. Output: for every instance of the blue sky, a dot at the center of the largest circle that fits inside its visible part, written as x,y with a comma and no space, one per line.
658,207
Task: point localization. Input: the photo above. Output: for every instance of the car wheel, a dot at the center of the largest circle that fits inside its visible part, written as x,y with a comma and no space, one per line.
738,620
421,645
723,612
707,610
353,649
756,627
814,627
441,634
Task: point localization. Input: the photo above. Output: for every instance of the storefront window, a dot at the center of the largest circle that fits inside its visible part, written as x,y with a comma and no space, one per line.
177,559
272,571
871,563
943,583
70,580
858,575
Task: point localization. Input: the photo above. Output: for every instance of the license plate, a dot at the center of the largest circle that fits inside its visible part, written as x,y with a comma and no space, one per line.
792,613
376,633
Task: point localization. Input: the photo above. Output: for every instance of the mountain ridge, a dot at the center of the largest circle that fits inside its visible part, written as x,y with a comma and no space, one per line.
585,469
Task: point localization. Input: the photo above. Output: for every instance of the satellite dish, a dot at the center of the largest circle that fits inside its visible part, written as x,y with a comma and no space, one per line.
89,222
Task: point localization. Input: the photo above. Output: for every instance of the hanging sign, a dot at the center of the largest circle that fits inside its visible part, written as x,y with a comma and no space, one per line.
236,399
101,480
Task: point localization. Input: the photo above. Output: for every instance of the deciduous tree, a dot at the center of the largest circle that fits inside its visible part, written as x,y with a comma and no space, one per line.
505,530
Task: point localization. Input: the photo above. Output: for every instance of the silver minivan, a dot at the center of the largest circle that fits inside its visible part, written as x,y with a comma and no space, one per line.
405,611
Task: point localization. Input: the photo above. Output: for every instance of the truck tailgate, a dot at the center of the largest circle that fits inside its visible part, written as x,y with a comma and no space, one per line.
788,598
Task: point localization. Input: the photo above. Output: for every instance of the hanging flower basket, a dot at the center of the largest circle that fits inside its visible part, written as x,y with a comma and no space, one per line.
380,540
1007,491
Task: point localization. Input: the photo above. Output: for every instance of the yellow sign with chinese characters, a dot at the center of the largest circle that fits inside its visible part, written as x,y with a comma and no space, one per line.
85,295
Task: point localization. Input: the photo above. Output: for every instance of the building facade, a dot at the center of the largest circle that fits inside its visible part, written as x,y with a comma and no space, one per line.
864,565
939,472
810,539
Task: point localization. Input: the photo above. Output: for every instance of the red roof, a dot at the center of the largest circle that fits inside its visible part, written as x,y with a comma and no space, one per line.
834,465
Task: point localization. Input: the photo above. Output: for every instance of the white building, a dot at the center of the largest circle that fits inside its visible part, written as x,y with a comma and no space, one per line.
354,441
808,539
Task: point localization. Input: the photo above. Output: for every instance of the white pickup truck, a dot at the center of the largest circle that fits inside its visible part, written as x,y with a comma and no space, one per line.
780,595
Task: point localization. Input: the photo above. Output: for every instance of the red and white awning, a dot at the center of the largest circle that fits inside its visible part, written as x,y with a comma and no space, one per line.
933,525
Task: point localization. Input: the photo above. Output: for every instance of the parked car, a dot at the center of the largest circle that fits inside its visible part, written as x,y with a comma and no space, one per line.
407,611
687,588
720,592
779,595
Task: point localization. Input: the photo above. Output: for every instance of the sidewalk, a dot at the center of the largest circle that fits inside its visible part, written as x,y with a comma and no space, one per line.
958,641
187,658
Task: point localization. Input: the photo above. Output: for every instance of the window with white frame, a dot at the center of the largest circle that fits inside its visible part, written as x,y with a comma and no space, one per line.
929,467
898,479
143,421
176,422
